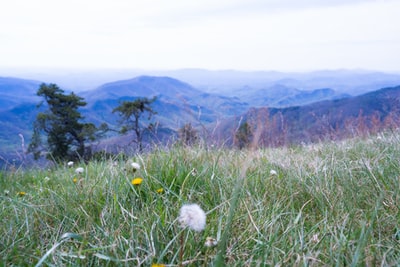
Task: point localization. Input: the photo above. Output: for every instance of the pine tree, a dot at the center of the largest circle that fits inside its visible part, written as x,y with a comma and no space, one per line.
131,113
243,136
66,135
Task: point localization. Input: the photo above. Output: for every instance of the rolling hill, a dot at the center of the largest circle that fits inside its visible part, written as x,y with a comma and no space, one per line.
176,102
288,114
324,120
15,91
280,96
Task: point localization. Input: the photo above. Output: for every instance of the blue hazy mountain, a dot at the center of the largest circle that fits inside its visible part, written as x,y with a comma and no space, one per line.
15,91
176,102
323,120
179,102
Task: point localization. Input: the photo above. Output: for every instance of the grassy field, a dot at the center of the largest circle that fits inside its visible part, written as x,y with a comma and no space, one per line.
330,204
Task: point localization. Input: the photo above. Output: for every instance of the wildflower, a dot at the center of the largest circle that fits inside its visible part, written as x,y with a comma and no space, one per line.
192,216
315,238
47,178
273,172
157,265
160,190
137,181
210,242
21,193
75,180
79,170
6,192
70,163
135,166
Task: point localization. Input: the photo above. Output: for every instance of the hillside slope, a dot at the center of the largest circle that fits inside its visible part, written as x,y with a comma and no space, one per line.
15,91
334,119
176,102
179,103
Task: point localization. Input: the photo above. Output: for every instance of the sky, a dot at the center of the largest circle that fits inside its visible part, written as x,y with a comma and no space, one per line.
285,35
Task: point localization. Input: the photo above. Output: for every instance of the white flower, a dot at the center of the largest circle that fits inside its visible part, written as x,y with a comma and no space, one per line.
273,172
192,216
47,178
135,166
79,170
315,238
70,163
210,242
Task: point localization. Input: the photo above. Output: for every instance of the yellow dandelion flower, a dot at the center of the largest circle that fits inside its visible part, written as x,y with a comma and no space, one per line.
21,194
157,265
75,180
137,181
160,190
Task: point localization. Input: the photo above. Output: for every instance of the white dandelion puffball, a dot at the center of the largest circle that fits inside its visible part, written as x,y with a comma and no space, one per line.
273,172
70,163
192,216
79,170
135,166
210,242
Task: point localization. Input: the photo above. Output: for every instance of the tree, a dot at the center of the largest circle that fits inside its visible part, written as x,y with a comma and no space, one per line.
188,134
66,135
131,112
244,135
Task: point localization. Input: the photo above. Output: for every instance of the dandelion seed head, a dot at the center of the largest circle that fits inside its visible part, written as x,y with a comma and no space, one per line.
210,242
273,172
192,216
79,170
70,163
135,166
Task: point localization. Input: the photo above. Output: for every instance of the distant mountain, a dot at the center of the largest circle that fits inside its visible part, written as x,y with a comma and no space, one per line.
330,119
283,96
17,109
287,106
235,83
15,91
16,87
222,82
148,86
177,102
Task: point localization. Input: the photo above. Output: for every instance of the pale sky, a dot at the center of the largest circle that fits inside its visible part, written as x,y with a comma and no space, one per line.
294,35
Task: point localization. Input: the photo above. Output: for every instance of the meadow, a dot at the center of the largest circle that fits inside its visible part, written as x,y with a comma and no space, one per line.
326,204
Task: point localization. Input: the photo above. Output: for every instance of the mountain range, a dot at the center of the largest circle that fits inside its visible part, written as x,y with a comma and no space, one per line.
323,120
286,105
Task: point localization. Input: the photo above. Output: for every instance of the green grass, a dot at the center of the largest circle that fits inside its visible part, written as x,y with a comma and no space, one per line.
330,204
